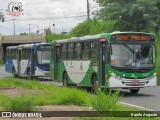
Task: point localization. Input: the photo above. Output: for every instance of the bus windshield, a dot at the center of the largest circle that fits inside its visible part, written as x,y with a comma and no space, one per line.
137,55
43,57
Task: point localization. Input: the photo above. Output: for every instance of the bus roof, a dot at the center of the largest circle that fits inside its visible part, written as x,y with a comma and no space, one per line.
26,45
102,35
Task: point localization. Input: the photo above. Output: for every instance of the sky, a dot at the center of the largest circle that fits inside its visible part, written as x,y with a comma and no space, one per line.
42,14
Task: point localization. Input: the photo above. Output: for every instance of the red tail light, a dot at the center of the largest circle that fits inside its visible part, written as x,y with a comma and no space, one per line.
57,45
103,40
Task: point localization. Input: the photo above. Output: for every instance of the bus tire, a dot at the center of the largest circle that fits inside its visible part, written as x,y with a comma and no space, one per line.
14,72
94,81
134,91
65,79
29,74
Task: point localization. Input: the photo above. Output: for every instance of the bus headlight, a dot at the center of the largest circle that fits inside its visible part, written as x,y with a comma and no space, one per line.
112,74
36,68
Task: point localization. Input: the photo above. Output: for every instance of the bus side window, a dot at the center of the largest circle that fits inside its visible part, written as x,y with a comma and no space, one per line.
30,53
85,50
77,51
23,54
70,50
15,54
58,54
12,53
94,50
64,52
8,56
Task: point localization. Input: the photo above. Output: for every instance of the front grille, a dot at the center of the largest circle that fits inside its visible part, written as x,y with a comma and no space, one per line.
130,82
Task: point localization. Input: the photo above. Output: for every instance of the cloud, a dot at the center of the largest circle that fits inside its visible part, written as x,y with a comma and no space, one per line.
51,11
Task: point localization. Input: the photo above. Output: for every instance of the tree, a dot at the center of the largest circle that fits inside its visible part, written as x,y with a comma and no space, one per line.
92,27
136,15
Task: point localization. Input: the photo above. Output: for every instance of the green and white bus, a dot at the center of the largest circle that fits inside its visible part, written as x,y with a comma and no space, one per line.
124,60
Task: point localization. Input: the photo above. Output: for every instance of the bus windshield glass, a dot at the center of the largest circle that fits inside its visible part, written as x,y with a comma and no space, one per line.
43,57
137,55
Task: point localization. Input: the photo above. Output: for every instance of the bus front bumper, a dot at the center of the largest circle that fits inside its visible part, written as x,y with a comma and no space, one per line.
114,82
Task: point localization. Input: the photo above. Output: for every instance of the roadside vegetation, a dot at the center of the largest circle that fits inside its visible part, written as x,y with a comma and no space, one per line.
1,62
54,95
158,61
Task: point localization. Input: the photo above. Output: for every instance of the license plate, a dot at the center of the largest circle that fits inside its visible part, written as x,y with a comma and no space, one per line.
135,82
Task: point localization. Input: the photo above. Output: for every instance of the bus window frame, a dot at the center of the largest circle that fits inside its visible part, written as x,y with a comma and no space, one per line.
80,51
68,45
91,50
63,52
37,49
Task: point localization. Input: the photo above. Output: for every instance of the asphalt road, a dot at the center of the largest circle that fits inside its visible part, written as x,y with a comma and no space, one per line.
147,97
3,73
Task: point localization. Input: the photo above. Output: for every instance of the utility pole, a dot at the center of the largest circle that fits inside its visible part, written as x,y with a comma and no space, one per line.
14,27
88,9
54,29
42,30
29,28
0,32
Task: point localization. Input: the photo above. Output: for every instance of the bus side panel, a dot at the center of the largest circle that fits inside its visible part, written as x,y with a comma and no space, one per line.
92,69
25,64
62,69
51,68
79,71
9,65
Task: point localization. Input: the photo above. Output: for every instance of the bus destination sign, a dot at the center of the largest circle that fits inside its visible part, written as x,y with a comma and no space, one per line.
132,37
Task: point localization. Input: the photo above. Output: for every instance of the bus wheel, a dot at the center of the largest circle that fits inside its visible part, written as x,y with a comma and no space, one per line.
65,79
94,83
134,91
14,72
29,74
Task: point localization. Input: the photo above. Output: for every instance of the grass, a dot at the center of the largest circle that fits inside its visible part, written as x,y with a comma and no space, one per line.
53,95
158,63
20,103
1,62
105,102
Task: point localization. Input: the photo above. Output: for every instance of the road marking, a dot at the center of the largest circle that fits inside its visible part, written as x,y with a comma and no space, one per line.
136,106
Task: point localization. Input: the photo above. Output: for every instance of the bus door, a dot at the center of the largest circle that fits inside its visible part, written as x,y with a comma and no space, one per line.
56,61
102,62
19,60
33,61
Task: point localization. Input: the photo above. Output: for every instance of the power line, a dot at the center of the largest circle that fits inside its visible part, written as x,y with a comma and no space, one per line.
31,19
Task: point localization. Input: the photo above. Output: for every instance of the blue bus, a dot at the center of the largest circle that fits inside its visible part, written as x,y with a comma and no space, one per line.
28,60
